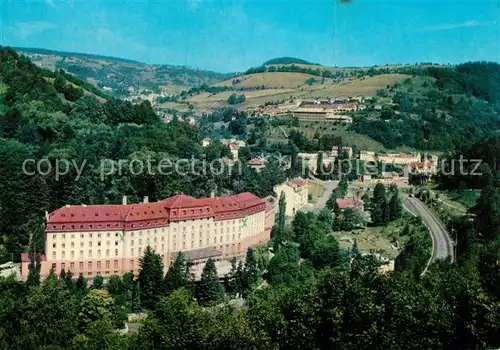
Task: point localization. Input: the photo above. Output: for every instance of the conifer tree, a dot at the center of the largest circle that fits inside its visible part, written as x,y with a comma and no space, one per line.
281,214
177,275
62,275
252,272
209,290
34,270
35,265
239,279
98,282
231,279
136,298
395,207
81,286
380,209
151,278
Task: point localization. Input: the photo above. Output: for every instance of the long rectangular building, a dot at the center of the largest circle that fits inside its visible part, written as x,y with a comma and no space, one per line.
110,239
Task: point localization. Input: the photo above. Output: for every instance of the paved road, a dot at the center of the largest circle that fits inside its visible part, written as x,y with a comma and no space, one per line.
329,187
443,246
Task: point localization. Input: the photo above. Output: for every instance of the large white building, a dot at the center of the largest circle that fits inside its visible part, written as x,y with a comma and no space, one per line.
296,195
110,239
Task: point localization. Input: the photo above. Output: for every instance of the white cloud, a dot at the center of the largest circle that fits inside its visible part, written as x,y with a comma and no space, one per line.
193,4
451,26
24,30
50,3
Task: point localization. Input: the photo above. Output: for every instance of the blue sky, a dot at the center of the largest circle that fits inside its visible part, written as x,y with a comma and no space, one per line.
232,35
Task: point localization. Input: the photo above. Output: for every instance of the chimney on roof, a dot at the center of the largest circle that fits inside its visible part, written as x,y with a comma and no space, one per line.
124,200
212,194
46,215
67,205
145,199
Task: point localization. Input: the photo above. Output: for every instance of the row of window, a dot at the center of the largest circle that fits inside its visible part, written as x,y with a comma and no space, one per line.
72,254
107,263
107,253
63,245
223,223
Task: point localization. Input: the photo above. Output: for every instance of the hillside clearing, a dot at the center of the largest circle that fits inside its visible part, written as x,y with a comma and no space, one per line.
359,87
270,79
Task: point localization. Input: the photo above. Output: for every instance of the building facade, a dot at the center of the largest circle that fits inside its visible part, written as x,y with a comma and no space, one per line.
296,195
110,239
399,158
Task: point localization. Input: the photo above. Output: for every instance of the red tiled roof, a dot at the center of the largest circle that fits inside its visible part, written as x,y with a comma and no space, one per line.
133,216
299,182
422,165
256,161
349,203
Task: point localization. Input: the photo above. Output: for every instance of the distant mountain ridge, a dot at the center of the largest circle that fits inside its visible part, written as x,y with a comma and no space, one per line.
288,60
124,78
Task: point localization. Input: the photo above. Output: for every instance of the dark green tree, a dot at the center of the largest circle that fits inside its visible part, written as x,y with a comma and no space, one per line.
98,282
252,272
177,275
81,286
326,253
151,278
209,290
136,298
395,207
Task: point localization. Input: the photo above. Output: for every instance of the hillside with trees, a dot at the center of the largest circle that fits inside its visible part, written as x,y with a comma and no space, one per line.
299,291
287,60
439,108
52,122
119,75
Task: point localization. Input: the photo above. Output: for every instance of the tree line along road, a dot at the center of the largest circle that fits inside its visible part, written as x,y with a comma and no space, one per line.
442,244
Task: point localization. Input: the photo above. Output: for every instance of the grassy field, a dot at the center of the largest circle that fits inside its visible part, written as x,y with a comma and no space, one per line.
381,240
325,128
316,191
270,79
468,198
360,87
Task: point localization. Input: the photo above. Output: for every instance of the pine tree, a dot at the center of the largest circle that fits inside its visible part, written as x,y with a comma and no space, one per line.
294,166
177,275
98,282
395,207
239,279
35,264
62,275
136,298
319,165
380,209
209,289
34,270
81,286
231,279
252,272
151,278
282,213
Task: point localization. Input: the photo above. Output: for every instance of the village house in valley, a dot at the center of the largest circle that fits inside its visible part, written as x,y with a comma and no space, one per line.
296,195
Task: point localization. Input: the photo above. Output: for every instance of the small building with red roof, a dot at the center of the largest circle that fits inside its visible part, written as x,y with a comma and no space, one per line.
350,203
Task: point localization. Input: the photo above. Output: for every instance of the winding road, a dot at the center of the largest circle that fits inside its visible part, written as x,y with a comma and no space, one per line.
441,241
329,187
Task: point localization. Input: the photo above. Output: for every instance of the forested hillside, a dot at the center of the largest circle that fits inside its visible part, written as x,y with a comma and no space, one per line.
45,117
119,75
308,294
445,109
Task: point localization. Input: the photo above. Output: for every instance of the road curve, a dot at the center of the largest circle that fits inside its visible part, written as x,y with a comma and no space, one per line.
329,187
442,244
